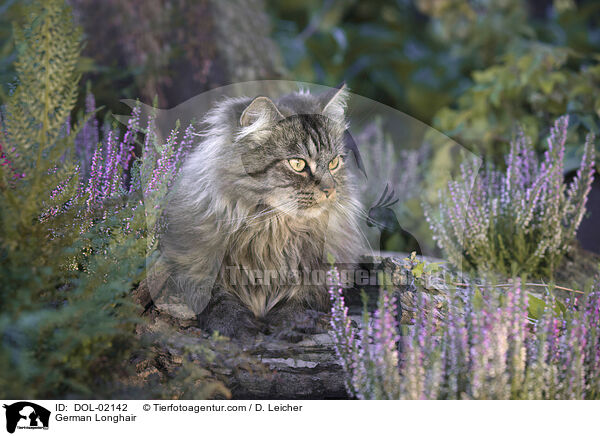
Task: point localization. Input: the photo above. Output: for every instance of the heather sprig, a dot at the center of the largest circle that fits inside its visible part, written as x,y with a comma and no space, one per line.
520,220
384,164
344,333
486,348
62,326
73,219
87,139
102,218
111,186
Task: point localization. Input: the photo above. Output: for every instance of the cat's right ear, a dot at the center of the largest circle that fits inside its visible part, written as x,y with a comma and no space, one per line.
334,102
261,108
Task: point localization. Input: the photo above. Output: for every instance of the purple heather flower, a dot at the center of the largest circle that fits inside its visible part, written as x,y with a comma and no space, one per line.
488,219
486,347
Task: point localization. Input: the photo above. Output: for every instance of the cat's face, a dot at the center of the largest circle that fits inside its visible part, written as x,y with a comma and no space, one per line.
300,166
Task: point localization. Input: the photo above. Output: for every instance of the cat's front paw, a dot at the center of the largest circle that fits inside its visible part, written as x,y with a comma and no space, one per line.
294,325
229,318
243,328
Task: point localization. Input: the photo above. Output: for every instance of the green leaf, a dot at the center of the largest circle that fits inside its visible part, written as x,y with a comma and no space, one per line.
547,84
477,300
537,306
418,270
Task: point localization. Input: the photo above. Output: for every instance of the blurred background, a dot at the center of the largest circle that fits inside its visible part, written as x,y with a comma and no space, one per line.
474,70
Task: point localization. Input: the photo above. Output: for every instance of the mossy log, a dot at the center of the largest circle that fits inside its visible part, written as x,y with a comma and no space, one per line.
267,367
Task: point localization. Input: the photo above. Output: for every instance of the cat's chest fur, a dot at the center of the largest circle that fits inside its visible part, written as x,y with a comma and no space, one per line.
267,264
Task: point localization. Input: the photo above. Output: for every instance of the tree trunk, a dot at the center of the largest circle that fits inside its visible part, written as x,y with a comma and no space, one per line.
175,49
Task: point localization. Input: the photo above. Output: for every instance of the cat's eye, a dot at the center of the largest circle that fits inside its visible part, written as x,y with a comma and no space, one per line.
334,163
297,164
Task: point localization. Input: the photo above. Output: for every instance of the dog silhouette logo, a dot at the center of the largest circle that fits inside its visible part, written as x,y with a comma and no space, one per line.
26,415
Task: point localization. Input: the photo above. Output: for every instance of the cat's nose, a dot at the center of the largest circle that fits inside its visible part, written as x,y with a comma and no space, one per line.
328,190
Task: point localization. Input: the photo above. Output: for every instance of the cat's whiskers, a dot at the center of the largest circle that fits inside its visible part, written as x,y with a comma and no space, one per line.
270,214
247,218
276,208
270,217
369,219
360,212
358,207
350,213
239,232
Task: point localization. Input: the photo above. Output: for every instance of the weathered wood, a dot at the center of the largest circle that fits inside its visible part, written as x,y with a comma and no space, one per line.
303,367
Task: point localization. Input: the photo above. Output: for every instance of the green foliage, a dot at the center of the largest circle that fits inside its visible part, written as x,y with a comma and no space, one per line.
526,73
472,69
35,116
63,330
478,32
383,50
527,88
71,250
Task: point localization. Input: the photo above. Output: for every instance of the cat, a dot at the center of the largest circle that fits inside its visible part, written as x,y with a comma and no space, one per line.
268,188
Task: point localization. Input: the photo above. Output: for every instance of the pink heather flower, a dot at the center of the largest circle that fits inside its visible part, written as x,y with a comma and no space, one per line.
492,351
479,218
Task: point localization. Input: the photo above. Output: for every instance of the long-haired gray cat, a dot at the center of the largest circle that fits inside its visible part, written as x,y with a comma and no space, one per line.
268,190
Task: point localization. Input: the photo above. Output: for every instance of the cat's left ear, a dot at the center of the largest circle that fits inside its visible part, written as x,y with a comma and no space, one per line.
261,108
334,102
